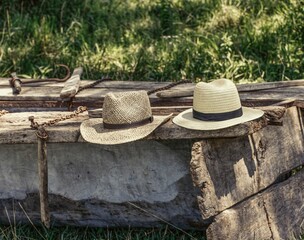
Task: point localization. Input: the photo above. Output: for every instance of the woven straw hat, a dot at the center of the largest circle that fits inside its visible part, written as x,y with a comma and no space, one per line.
216,105
127,117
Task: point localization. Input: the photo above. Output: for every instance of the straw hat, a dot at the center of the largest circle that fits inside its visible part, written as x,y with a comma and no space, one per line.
127,117
216,105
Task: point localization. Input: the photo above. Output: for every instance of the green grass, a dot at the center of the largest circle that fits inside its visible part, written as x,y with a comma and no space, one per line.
162,40
73,233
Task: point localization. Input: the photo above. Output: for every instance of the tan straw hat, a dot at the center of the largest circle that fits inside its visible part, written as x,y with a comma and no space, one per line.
127,117
216,105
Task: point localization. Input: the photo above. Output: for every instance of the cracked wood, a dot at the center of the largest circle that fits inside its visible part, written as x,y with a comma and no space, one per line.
276,213
228,171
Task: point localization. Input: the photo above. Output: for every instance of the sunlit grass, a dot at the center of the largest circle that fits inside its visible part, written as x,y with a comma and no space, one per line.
155,40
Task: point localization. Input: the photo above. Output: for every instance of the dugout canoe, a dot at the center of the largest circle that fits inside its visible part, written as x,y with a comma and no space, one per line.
174,176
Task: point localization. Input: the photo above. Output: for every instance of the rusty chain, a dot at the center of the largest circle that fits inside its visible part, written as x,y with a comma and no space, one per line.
41,132
2,112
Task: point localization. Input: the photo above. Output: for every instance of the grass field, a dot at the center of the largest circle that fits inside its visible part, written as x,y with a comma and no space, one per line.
70,233
162,40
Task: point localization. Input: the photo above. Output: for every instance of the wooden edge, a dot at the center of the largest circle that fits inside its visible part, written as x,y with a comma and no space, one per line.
188,91
299,104
276,213
273,114
14,129
69,131
202,179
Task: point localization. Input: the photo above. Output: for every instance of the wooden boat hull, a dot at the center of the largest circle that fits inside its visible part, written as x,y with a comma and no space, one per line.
92,185
232,182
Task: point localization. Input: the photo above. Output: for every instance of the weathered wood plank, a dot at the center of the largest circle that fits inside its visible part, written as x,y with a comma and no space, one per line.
43,182
58,105
15,128
261,95
269,85
92,185
295,86
277,213
47,90
4,82
246,165
89,95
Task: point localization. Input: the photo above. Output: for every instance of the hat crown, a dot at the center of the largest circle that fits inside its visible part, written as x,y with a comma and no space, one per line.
126,107
219,96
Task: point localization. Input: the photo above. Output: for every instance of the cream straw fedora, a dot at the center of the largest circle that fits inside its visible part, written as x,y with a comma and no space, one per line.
216,105
126,117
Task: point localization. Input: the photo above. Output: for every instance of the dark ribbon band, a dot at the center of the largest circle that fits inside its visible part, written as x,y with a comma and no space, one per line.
217,116
128,125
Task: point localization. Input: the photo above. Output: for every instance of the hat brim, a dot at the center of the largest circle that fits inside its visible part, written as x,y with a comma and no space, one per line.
92,130
185,119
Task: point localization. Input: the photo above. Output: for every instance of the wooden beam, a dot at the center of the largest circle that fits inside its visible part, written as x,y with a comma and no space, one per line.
43,181
188,91
14,128
276,213
227,171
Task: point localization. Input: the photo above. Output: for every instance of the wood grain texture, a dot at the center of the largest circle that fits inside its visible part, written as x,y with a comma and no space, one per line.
229,170
43,182
15,128
91,184
276,213
253,87
50,91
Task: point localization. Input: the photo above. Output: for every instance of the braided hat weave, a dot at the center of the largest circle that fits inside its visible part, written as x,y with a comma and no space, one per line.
216,105
126,117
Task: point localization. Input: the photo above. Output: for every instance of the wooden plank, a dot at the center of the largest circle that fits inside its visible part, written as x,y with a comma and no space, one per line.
276,213
14,128
245,165
28,106
4,82
52,94
132,84
269,96
92,185
43,182
274,86
71,86
269,85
